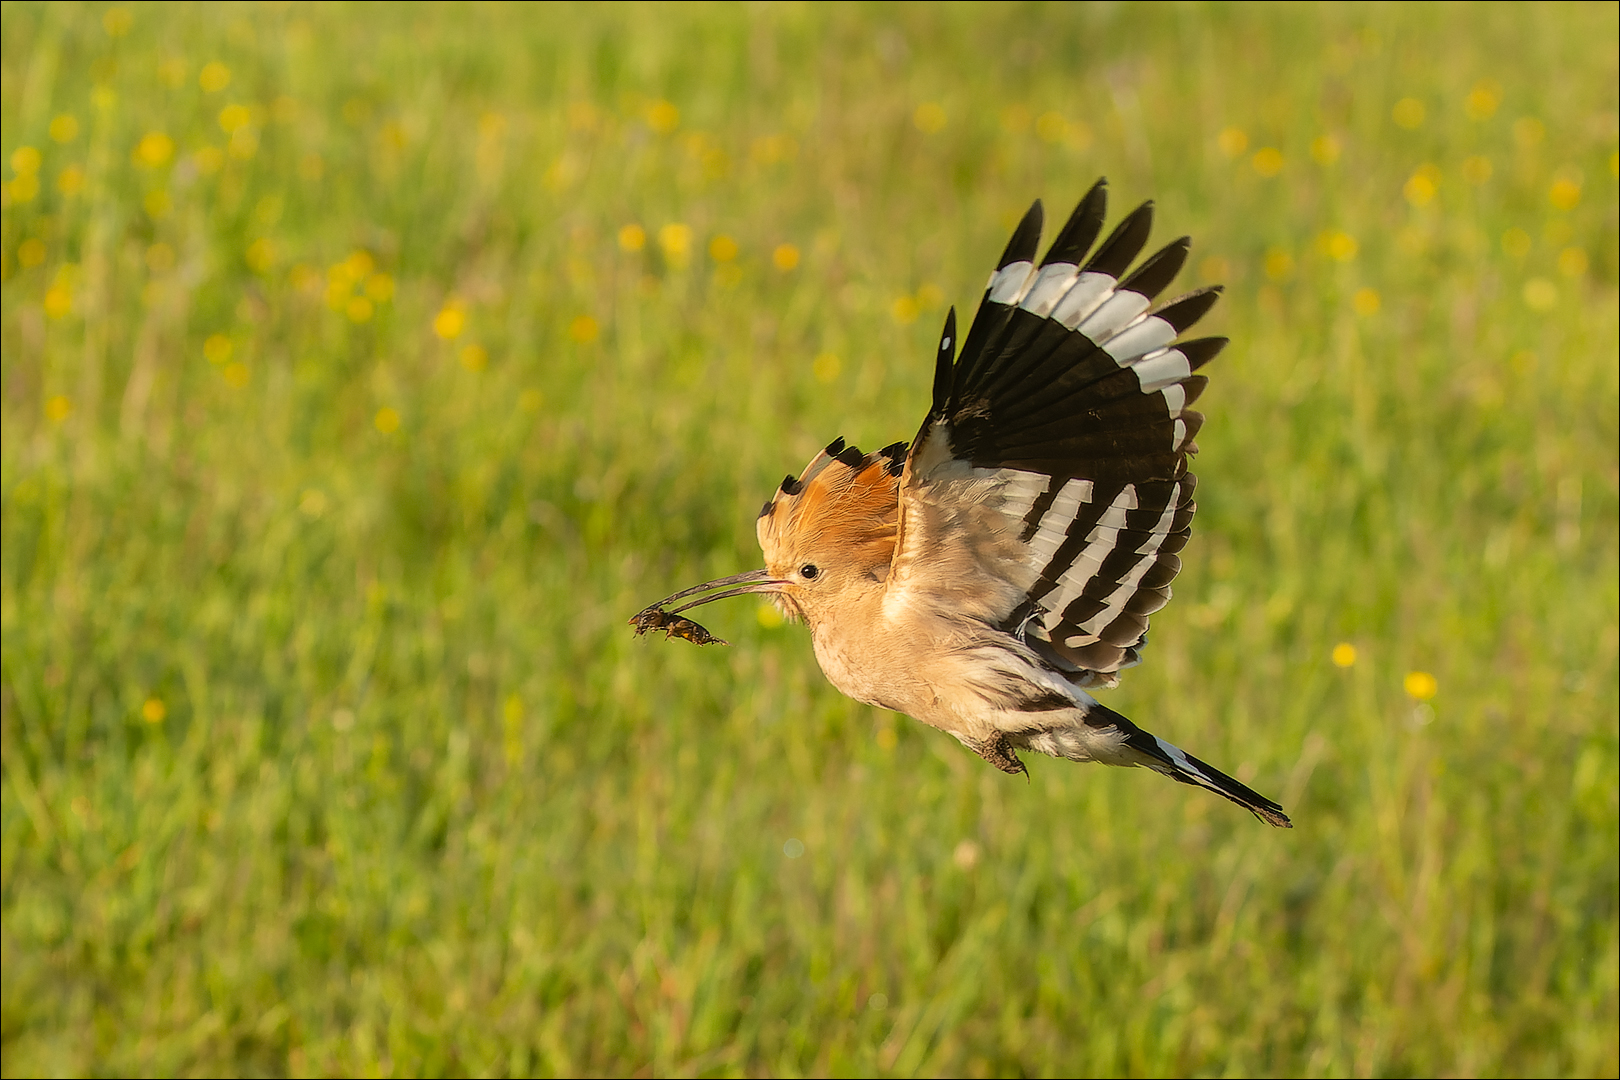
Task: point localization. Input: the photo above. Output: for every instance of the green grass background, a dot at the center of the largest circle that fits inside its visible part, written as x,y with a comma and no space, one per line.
327,749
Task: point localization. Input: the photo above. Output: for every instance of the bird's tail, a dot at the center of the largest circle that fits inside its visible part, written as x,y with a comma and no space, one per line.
1174,762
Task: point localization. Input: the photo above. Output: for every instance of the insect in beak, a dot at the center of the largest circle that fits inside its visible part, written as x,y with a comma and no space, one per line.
654,617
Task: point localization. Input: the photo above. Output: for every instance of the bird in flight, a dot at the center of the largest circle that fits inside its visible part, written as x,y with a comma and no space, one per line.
987,576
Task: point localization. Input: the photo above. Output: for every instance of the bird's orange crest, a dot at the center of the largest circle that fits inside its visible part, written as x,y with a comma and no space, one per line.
843,497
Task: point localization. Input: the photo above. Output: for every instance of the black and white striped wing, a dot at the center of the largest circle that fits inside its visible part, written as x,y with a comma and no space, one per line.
1047,492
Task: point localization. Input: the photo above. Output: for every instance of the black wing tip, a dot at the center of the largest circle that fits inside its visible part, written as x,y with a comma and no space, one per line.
834,448
851,456
791,485
947,336
1201,351
1188,308
1026,238
1159,269
1074,240
1124,243
945,367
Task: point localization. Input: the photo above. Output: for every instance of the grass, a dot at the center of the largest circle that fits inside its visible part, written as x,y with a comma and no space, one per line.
365,367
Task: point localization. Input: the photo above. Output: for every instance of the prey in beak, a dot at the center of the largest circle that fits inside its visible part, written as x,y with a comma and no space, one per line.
655,617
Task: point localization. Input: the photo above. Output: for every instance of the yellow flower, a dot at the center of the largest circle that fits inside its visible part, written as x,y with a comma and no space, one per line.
58,302
117,22
31,252
1267,161
236,374
1232,141
58,408
722,248
1483,100
232,117
1344,654
632,237
1408,113
663,117
1338,245
1540,294
1421,686
1325,149
929,117
64,127
153,710
386,420
70,181
218,348
214,77
1422,186
1565,192
359,309
380,287
929,296
25,160
474,358
583,329
1366,301
676,240
157,204
904,309
785,257
449,322
244,143
1572,262
261,254
154,149
826,368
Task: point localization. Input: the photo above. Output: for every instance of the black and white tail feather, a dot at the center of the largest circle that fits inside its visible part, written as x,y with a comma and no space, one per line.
1053,463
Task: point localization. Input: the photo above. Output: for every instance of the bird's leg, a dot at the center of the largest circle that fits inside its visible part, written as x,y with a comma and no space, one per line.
998,752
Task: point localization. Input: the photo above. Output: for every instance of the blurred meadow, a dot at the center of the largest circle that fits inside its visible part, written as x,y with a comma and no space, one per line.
366,366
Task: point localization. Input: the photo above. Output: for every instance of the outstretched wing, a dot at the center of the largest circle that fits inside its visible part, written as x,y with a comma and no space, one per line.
1047,492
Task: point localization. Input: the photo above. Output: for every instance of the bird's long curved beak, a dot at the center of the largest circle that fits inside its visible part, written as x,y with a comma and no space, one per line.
754,581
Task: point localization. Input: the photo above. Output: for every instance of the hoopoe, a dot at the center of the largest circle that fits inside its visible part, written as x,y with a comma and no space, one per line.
986,576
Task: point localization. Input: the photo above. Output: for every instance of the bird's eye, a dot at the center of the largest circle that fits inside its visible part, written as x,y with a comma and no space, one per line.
809,571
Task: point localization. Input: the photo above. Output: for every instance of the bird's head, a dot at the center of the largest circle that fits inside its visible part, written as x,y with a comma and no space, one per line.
828,535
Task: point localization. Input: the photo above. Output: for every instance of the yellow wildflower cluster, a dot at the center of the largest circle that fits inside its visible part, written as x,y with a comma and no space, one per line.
24,185
905,309
356,287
